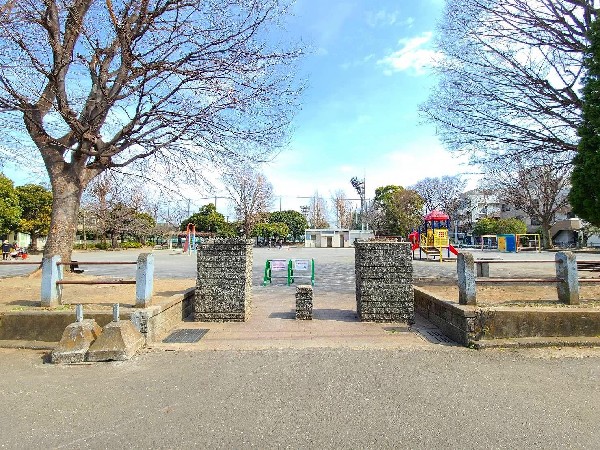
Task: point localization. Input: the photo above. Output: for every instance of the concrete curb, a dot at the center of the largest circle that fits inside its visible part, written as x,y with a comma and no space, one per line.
537,342
29,345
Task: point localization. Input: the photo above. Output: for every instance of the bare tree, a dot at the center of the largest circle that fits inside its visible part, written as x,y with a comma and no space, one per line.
539,188
152,85
116,209
343,209
252,196
510,76
318,212
441,193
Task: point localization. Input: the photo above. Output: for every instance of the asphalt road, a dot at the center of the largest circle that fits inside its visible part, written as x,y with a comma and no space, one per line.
443,397
410,396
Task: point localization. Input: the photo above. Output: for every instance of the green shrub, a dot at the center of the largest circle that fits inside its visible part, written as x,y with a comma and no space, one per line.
131,245
101,245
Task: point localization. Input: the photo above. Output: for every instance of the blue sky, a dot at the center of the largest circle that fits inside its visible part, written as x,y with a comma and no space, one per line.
366,77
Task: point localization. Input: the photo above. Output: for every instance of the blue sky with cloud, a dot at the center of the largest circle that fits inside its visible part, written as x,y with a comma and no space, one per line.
367,74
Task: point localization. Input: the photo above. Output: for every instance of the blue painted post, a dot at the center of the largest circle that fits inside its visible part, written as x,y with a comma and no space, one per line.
465,267
566,270
79,313
51,292
144,280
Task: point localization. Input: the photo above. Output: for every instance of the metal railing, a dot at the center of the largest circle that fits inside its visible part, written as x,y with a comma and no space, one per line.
53,280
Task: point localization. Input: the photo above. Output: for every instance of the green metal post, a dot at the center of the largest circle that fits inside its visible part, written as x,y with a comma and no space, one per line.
267,276
290,273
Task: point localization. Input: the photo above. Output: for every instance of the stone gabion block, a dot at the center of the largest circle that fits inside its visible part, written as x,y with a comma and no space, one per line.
304,302
384,281
223,281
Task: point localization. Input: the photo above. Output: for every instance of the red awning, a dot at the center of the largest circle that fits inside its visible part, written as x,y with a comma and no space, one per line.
436,215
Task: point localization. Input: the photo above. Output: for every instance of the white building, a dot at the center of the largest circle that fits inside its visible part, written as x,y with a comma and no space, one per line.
23,240
334,238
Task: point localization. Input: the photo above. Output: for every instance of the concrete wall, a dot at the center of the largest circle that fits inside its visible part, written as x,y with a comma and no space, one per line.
42,325
455,321
47,326
469,325
503,323
224,280
169,315
384,291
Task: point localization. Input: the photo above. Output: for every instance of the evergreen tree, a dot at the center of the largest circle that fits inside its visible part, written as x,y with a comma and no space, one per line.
585,187
295,222
10,211
36,203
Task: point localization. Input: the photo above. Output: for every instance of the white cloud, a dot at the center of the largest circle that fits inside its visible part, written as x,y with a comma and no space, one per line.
408,22
414,55
381,17
414,160
300,173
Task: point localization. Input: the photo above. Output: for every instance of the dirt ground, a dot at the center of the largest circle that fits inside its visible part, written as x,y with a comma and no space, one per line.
20,293
524,295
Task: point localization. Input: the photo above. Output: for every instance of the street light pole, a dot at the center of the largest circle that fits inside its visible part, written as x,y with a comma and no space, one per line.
359,186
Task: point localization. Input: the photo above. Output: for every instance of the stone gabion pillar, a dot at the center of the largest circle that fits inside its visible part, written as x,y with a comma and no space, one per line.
566,271
384,286
304,302
224,280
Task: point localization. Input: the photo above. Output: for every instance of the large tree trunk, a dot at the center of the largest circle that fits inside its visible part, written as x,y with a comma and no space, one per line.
546,238
63,223
33,244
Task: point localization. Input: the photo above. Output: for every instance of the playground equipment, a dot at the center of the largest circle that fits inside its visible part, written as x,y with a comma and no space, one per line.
432,237
511,242
507,243
528,241
489,242
190,242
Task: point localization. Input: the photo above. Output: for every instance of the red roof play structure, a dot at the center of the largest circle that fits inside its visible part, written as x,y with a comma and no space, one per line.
436,215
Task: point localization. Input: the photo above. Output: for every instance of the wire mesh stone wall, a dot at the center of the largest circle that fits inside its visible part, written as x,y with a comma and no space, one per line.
224,280
304,302
384,281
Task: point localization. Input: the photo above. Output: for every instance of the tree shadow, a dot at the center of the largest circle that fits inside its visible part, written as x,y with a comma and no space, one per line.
171,293
24,303
340,315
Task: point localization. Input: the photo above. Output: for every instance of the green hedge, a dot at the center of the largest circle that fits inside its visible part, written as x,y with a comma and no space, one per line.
131,245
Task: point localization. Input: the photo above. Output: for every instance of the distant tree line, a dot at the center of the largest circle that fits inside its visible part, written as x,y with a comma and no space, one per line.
24,209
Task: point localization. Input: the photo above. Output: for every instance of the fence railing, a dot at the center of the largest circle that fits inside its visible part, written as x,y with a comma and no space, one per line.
53,278
471,272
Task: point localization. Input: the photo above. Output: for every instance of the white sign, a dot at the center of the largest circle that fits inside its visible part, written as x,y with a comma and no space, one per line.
301,264
278,264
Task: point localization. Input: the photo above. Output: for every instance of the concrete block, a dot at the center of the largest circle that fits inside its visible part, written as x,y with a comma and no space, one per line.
144,280
76,341
465,267
566,270
52,272
119,341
